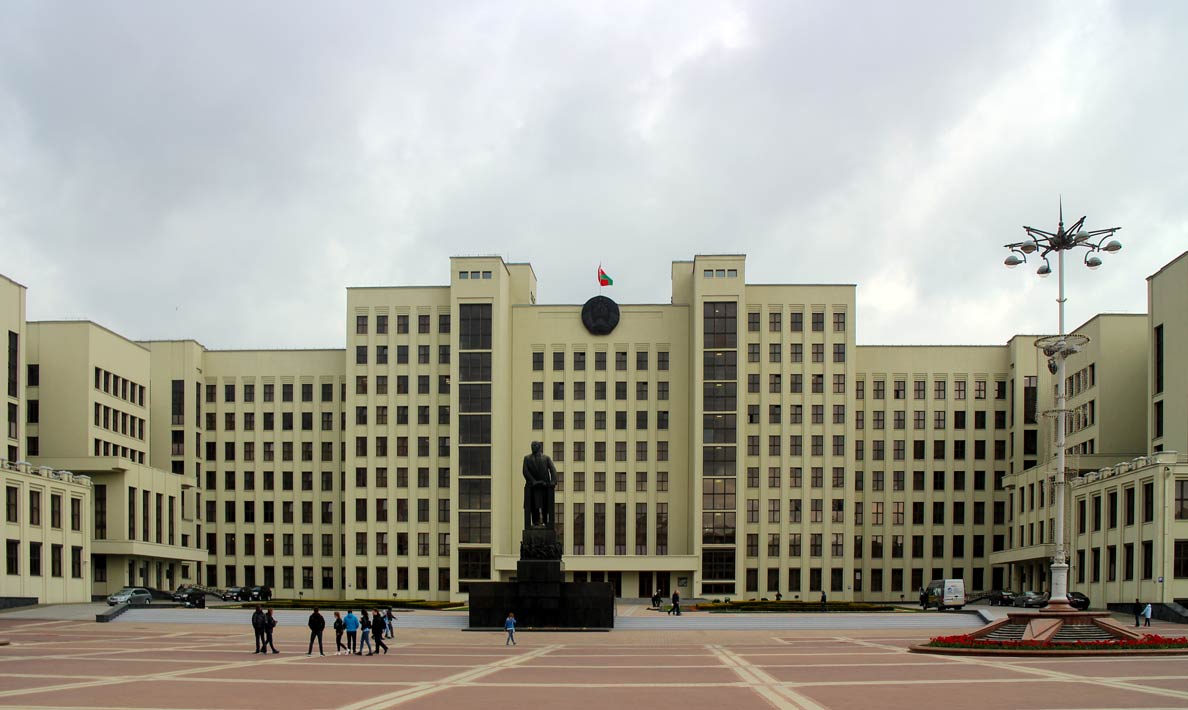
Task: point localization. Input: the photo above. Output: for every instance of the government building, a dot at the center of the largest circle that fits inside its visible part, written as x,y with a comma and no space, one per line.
735,442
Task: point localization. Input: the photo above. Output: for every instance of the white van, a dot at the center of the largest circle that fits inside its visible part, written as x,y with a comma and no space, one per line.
945,594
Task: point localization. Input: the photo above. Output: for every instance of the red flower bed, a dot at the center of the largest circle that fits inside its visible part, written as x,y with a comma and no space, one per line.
1150,641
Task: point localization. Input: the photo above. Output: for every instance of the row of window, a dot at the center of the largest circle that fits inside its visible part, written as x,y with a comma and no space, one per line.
364,479
878,419
423,355
362,322
578,480
920,389
106,417
642,419
878,451
381,384
362,506
1090,513
230,578
1095,568
775,321
600,391
894,547
269,392
107,448
641,451
12,508
116,386
775,352
12,559
579,360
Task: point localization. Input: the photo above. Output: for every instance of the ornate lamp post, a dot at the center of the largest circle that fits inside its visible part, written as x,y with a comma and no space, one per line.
1040,244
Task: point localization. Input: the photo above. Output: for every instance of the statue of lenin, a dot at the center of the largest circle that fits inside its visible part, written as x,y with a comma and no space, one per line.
540,481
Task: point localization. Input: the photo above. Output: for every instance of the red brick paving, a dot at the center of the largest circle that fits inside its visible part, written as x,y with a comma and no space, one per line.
67,665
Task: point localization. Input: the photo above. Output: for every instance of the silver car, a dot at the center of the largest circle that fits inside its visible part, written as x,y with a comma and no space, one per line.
130,595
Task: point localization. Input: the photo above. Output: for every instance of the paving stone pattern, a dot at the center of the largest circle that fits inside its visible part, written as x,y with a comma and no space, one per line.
139,664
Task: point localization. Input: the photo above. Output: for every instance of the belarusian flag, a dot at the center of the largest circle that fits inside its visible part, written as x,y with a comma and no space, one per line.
603,278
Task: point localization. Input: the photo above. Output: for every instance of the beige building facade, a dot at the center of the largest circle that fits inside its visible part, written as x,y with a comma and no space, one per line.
735,441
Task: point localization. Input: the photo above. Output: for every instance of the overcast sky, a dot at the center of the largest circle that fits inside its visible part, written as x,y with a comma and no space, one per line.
223,171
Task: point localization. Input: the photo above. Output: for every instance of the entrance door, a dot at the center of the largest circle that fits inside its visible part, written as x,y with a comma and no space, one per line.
616,578
645,585
663,584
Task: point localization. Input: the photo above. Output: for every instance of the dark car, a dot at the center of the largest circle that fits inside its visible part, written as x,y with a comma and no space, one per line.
1031,600
1001,597
181,592
193,599
1078,601
261,593
235,594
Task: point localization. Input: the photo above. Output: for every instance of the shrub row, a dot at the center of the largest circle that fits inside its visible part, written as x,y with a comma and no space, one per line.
352,604
791,606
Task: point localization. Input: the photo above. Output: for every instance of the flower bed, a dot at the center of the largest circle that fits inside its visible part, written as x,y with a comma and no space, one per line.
1150,642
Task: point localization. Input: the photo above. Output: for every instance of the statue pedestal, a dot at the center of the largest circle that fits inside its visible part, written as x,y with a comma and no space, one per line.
540,597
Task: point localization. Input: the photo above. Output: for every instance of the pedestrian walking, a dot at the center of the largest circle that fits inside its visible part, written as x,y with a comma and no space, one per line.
676,603
390,623
259,621
377,631
339,628
509,625
316,625
824,601
1138,613
1147,615
656,599
365,628
268,628
351,623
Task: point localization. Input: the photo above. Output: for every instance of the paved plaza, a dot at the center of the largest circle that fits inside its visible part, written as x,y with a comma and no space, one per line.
163,665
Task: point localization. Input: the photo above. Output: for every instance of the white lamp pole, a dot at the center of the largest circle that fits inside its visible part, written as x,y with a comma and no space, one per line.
1057,349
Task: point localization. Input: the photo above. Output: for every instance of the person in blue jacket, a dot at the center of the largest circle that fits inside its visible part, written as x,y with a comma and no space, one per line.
510,626
352,629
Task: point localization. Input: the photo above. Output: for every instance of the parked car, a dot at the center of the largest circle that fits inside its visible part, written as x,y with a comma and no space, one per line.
259,594
194,599
181,592
1031,600
1001,597
944,594
130,595
1078,601
235,594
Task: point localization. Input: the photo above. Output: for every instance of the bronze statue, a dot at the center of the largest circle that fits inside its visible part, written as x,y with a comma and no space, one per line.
540,482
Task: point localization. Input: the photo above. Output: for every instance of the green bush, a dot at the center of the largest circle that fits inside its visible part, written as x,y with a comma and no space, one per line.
752,605
352,604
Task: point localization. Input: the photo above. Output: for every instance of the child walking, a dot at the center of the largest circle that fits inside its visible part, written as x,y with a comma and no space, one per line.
510,626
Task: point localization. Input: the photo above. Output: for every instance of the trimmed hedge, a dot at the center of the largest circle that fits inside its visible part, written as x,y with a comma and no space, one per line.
352,603
790,606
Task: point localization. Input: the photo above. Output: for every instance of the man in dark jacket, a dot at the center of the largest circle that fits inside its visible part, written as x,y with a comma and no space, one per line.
676,603
1138,612
316,625
259,624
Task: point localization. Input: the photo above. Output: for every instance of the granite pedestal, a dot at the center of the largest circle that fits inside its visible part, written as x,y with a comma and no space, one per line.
540,597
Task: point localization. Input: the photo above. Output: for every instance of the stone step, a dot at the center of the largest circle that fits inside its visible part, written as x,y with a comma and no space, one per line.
1008,632
1081,632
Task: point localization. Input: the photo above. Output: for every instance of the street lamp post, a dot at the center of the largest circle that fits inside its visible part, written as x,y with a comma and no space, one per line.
1057,349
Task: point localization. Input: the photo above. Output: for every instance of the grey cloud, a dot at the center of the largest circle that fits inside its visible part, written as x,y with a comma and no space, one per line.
252,160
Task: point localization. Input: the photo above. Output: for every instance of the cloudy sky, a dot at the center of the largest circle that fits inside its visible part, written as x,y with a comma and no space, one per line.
223,171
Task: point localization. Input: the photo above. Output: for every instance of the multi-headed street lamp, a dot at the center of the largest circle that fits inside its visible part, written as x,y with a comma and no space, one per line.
1040,244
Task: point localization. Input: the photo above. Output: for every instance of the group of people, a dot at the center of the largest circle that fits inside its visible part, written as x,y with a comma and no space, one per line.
658,598
1142,613
375,627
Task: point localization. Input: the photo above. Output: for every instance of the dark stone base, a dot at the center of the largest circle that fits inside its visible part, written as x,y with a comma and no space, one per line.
540,597
542,603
